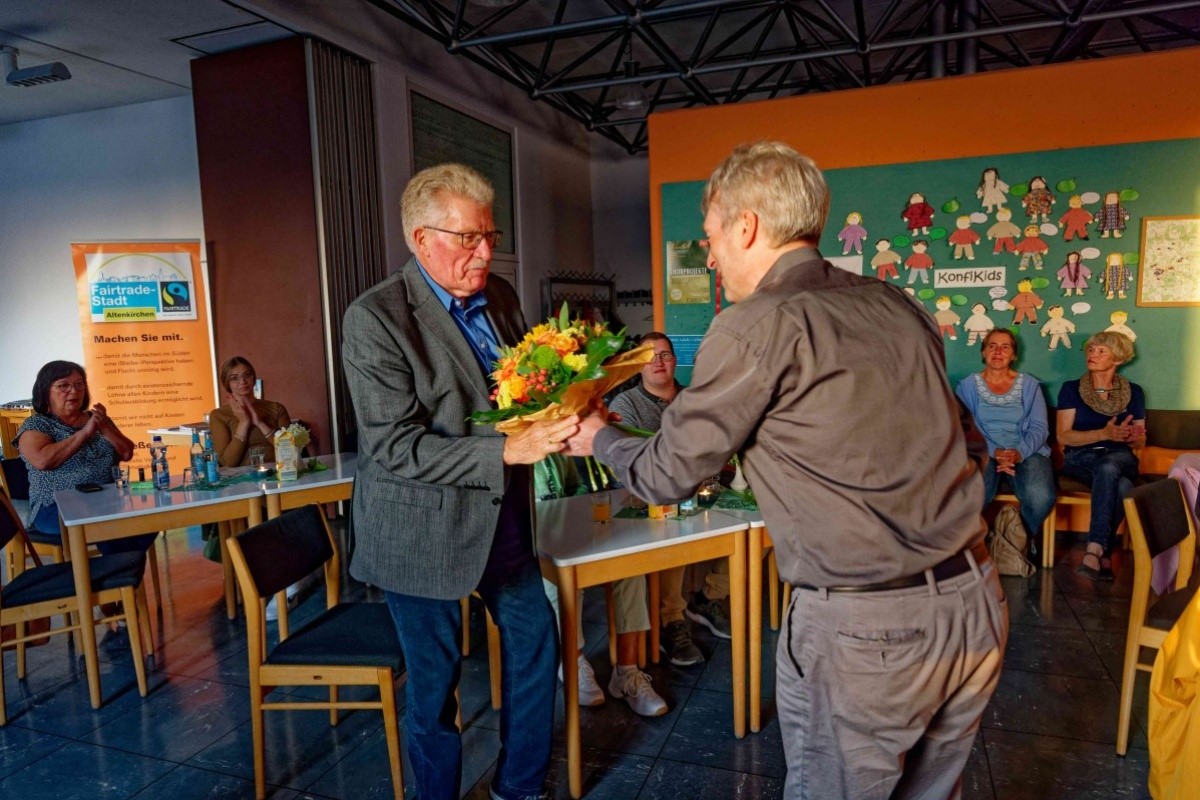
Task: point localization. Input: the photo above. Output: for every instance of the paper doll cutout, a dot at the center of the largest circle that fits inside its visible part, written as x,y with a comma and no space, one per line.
992,192
919,263
1025,303
1032,248
964,238
885,260
1076,219
917,214
1073,275
853,235
1117,318
1112,216
978,324
1058,328
1004,232
1038,200
946,319
1115,276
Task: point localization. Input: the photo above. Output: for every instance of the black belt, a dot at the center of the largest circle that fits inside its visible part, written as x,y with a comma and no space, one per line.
952,567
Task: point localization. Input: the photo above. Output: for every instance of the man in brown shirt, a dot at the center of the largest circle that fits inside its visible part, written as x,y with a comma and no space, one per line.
832,387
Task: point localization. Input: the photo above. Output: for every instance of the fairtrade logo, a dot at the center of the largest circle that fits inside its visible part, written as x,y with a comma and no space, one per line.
176,297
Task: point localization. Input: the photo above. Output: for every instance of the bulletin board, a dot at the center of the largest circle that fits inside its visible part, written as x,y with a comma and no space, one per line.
1155,179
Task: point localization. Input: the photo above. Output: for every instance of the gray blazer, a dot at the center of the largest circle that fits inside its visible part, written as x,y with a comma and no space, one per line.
429,485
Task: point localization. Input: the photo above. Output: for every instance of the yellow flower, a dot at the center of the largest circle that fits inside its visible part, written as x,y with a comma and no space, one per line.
516,387
576,362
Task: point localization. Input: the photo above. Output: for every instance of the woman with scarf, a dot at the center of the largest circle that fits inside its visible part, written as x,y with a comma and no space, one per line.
1101,418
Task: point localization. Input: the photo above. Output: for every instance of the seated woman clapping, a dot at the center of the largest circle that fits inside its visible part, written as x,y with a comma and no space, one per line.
244,422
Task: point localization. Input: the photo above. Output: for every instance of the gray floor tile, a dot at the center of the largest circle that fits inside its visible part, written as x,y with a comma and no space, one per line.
704,735
20,747
977,776
79,771
188,783
1025,766
1101,612
1037,600
671,780
606,775
1052,651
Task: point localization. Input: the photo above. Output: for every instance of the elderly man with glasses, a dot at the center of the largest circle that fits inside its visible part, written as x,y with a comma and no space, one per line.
442,507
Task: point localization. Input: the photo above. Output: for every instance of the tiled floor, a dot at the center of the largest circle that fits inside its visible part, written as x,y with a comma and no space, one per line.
1048,733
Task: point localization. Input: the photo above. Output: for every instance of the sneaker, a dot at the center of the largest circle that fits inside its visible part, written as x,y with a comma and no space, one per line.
634,686
678,646
709,613
590,693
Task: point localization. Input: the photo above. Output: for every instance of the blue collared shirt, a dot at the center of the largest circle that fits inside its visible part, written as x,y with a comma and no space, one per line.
469,314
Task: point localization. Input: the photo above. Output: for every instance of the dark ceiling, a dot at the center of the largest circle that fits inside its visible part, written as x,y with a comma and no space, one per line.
573,54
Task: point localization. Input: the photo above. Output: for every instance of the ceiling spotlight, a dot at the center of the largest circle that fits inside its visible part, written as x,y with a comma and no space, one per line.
30,76
631,96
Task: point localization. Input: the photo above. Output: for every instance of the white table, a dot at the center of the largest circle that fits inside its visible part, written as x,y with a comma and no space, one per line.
576,553
327,486
119,513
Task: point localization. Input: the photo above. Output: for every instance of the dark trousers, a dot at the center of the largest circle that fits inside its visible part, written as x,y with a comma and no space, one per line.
430,632
1111,474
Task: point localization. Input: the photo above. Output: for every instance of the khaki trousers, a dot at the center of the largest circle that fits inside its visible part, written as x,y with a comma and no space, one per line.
880,694
629,597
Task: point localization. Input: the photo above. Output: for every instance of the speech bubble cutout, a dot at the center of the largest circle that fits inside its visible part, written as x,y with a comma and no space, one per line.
901,241
926,294
1080,308
1039,283
958,299
1018,189
1089,252
1090,197
979,218
911,291
1130,259
997,292
937,233
1049,228
1000,304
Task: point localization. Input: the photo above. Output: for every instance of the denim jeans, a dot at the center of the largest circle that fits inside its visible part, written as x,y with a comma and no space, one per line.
1034,487
1111,474
47,522
430,632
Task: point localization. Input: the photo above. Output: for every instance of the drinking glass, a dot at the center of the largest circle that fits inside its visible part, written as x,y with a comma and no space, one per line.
120,476
257,453
601,507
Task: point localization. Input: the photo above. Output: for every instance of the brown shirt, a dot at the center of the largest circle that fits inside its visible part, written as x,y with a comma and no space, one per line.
833,387
223,424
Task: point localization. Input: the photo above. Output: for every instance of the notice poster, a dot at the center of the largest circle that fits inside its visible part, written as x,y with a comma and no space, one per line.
687,273
143,310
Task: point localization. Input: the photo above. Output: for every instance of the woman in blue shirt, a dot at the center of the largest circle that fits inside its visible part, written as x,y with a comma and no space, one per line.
1010,411
1101,418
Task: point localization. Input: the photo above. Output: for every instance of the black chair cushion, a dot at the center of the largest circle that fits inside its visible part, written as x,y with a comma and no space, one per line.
1163,514
349,634
1166,611
41,537
282,551
55,581
16,475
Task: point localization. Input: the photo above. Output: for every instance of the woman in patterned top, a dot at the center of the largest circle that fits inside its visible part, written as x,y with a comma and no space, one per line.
1010,412
69,441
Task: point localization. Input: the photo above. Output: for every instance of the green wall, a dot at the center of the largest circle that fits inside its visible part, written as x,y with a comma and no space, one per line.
1166,177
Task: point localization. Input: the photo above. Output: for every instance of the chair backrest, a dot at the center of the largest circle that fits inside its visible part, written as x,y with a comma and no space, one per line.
16,478
1174,430
10,522
1163,515
282,551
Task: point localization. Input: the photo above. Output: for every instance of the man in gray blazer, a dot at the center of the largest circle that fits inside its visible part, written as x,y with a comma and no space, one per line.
442,506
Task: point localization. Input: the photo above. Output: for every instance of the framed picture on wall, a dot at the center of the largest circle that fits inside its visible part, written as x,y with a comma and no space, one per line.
1169,265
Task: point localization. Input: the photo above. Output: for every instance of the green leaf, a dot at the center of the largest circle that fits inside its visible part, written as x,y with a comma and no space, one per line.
952,205
1127,195
564,317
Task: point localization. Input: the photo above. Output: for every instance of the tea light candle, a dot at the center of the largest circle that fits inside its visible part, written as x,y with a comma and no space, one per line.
707,496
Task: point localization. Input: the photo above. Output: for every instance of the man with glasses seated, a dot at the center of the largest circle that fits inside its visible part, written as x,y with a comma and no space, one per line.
642,407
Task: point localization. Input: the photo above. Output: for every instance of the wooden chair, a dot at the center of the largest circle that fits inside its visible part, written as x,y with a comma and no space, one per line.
350,644
48,591
1158,520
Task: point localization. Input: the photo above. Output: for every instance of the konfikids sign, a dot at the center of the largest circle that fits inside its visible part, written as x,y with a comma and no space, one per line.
144,317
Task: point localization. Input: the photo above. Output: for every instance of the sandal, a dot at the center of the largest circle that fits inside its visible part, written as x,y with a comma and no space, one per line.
1091,573
1106,570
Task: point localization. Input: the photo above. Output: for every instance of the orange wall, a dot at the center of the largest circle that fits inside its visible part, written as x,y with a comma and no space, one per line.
1082,104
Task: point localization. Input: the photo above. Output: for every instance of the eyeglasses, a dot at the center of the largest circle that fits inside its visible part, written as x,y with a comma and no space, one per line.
64,386
471,239
238,377
663,356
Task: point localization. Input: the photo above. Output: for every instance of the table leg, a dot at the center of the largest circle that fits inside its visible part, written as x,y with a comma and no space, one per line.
82,571
223,534
654,600
568,611
737,620
755,565
254,512
274,506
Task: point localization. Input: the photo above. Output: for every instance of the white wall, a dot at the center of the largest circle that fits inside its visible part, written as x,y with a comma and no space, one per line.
116,174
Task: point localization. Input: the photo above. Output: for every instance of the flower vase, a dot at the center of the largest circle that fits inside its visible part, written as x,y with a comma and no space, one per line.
738,484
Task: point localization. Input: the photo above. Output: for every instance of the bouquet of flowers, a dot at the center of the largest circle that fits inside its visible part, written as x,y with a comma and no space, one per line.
299,434
557,370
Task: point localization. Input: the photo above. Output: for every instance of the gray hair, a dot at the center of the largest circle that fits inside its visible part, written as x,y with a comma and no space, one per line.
423,202
1120,344
783,187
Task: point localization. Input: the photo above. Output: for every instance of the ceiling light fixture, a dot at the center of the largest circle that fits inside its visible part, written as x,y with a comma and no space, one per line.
631,96
30,76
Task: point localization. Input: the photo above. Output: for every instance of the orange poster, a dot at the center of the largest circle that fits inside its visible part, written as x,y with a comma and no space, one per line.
143,309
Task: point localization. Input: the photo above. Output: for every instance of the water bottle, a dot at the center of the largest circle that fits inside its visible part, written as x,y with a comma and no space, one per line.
197,453
211,473
159,467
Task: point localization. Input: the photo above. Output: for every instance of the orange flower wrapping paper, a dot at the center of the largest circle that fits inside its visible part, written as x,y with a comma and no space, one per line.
578,397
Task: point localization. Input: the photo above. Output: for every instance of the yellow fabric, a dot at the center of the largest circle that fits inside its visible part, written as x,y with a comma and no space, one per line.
1175,711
